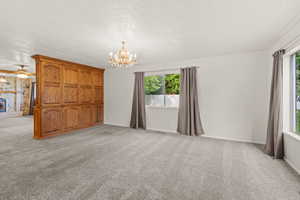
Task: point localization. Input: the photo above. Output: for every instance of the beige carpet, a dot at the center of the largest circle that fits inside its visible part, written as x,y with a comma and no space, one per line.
114,163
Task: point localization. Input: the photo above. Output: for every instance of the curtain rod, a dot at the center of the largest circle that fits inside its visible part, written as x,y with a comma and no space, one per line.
169,69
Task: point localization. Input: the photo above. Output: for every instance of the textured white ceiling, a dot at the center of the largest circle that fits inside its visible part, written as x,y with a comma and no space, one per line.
158,31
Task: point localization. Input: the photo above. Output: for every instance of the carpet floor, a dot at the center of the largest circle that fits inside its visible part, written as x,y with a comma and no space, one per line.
114,163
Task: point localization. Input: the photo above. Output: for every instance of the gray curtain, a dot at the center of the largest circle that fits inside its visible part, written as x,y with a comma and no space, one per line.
189,122
138,113
274,143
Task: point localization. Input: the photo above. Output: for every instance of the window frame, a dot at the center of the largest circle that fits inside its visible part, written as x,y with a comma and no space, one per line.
293,92
164,106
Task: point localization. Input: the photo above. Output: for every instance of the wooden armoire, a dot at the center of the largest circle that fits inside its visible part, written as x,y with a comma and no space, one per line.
69,96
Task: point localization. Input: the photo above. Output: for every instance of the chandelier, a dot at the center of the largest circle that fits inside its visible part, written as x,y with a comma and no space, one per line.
122,57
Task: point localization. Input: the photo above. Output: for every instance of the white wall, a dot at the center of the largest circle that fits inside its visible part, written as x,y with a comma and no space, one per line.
290,41
233,96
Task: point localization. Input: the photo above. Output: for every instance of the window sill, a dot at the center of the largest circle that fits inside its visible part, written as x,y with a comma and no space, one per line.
161,107
293,135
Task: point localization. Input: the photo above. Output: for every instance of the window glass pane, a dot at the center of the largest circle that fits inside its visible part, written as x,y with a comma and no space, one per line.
297,63
153,85
172,83
172,100
155,100
162,90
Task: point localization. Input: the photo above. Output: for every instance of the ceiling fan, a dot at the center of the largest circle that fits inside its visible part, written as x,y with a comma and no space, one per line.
21,72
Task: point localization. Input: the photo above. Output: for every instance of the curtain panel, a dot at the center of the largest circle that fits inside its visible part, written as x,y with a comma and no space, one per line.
274,144
189,122
138,113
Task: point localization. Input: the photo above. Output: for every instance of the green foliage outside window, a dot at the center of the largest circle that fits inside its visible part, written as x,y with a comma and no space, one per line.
165,84
153,84
172,83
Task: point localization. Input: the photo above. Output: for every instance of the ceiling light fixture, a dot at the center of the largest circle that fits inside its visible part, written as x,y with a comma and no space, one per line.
3,80
122,58
22,72
22,76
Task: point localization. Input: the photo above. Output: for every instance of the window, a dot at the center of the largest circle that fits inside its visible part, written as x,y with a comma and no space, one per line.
296,91
162,90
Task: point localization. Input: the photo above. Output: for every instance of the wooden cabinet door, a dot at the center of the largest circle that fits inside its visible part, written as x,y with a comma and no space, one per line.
70,94
97,78
70,74
85,77
99,116
85,116
98,95
71,117
51,121
70,78
86,94
51,83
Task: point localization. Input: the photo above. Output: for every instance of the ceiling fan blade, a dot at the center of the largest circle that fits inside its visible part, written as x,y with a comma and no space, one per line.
17,72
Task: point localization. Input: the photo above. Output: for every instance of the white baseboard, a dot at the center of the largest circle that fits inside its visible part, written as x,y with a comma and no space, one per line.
149,129
232,139
291,165
207,136
161,130
116,124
